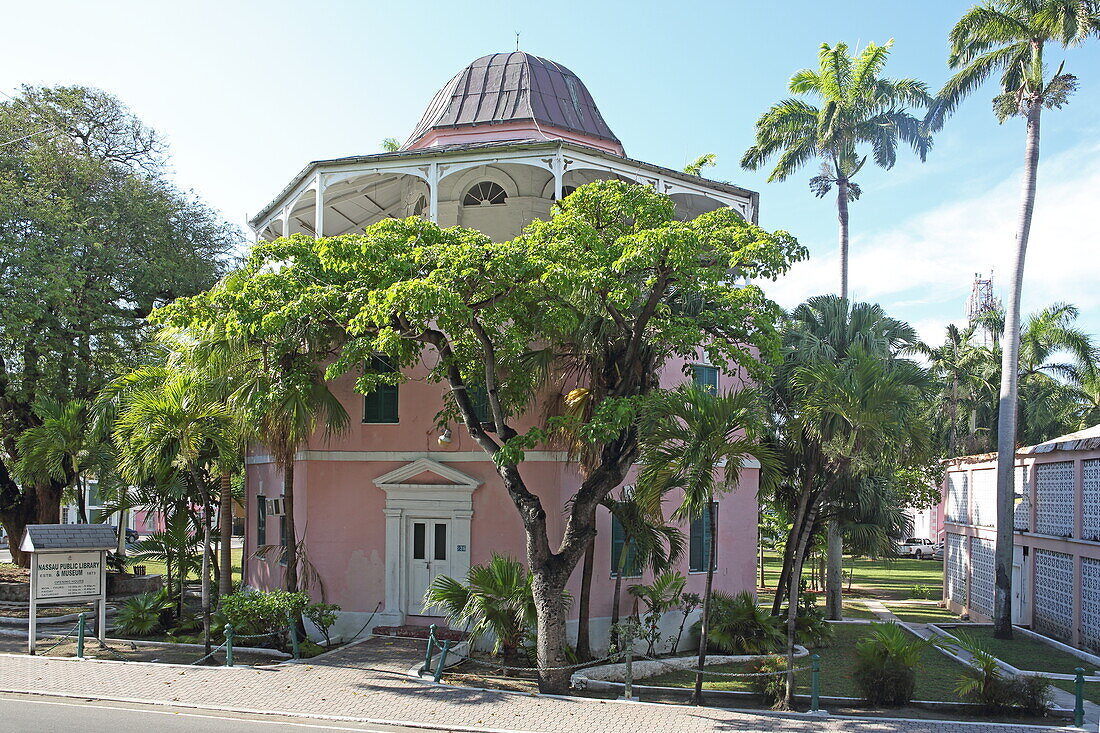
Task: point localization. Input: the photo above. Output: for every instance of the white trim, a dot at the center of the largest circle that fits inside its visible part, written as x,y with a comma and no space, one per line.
470,456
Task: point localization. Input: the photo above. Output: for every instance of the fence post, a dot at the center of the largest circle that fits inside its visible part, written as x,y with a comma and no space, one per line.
428,650
1079,695
442,660
229,645
815,688
293,636
80,624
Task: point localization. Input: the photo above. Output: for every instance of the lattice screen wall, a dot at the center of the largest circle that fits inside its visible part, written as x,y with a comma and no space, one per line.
1090,603
958,498
1091,524
956,568
1054,594
981,575
1022,514
1054,498
984,506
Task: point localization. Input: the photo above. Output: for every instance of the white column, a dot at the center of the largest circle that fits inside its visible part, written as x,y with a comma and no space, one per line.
559,174
433,193
286,222
319,207
395,597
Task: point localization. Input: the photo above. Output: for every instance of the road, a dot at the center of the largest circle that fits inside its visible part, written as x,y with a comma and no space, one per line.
39,714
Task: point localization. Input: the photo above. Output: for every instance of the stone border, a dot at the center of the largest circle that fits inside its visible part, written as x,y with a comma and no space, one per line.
583,679
1005,666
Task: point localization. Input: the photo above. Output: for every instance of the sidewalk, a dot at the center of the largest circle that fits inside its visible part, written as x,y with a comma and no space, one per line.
366,682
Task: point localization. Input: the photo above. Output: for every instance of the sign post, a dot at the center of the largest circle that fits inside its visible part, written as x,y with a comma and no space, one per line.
68,565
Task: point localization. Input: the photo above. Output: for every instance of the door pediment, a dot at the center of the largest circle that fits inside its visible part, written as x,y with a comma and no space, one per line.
425,479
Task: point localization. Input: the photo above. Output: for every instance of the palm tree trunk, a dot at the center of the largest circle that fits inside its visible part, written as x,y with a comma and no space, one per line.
584,644
291,550
834,577
81,501
618,587
206,580
704,626
225,523
1006,414
792,598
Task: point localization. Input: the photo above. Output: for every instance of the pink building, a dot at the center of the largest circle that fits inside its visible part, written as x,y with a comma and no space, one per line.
1056,558
395,502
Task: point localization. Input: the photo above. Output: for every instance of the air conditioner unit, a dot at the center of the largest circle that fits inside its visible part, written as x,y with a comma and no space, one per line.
276,507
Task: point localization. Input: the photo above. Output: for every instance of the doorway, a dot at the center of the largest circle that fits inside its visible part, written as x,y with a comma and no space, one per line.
428,554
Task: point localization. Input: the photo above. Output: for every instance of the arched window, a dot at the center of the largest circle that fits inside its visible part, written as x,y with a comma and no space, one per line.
565,191
485,193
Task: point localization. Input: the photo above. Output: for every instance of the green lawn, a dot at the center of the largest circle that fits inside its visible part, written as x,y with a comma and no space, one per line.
157,568
1091,691
936,678
1023,652
921,613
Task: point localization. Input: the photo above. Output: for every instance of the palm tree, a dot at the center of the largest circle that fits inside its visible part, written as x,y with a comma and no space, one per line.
957,366
391,144
496,599
61,448
646,539
695,167
858,108
1009,37
691,437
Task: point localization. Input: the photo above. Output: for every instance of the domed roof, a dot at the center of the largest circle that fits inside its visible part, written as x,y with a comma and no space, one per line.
507,96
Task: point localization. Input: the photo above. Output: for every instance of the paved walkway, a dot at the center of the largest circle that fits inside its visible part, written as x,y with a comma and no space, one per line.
367,682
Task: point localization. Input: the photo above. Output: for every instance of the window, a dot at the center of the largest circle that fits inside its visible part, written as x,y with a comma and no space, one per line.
630,567
479,396
565,191
380,406
485,193
699,541
706,377
261,520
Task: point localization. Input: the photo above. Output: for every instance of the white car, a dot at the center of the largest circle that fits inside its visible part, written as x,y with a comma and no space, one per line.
916,547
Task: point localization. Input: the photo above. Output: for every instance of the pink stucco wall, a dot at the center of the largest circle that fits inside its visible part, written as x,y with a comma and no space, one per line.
339,510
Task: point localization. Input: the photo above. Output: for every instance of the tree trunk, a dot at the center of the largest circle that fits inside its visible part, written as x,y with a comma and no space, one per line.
834,572
704,626
792,598
548,587
225,525
81,502
1006,414
842,216
620,567
785,570
291,550
206,580
584,644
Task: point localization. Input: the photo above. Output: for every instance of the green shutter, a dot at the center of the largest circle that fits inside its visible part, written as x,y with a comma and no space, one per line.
381,405
618,538
261,520
699,540
705,377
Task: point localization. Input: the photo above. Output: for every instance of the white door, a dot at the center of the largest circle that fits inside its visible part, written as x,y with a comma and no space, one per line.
428,552
1021,613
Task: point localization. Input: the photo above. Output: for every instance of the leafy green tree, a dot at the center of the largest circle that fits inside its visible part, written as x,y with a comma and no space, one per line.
475,310
391,144
858,108
691,437
1009,37
92,238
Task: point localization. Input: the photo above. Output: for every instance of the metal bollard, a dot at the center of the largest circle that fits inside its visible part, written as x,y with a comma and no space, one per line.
229,645
428,650
1079,697
80,624
442,660
815,687
293,637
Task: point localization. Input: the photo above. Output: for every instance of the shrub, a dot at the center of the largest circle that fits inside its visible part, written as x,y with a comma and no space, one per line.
144,614
772,689
1032,694
263,612
886,664
811,628
985,684
323,616
919,591
739,626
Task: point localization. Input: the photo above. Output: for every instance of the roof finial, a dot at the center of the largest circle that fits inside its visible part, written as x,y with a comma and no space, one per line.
517,40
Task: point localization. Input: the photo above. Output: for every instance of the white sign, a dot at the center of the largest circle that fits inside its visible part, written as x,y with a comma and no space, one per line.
68,575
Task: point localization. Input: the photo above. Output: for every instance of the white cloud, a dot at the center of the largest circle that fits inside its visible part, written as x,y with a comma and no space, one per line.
925,264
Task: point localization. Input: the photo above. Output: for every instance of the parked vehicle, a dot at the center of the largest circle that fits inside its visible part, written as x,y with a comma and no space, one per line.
937,553
916,547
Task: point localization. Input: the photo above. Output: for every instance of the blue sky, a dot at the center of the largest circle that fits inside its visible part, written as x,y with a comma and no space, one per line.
248,92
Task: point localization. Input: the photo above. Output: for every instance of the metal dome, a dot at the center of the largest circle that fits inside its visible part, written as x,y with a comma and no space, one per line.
508,96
